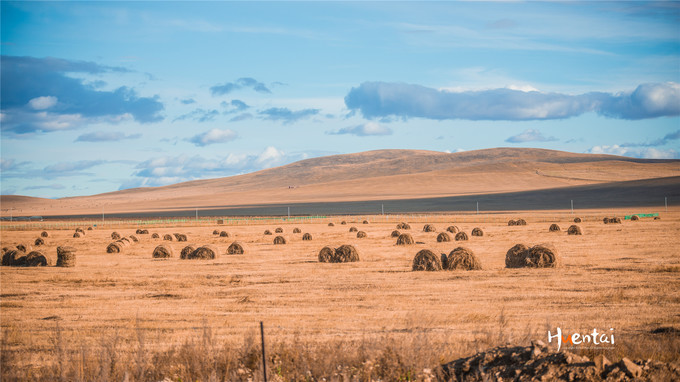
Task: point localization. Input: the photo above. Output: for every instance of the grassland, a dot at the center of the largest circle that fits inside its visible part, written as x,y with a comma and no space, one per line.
127,315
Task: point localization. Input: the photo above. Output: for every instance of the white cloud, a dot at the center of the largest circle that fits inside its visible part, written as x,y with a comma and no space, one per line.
364,130
213,136
647,153
42,103
529,135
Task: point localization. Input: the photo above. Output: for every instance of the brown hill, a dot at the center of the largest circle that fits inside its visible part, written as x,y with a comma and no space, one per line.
372,175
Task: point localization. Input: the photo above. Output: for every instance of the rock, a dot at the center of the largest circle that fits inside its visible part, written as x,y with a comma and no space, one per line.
630,368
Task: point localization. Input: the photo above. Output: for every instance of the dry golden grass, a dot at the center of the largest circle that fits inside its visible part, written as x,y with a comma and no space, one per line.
153,315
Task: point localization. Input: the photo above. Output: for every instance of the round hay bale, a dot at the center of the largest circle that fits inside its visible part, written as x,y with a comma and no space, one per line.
361,234
66,257
657,217
477,232
365,222
235,248
187,251
44,234
521,222
162,251
463,258
343,222
155,236
279,240
77,235
331,225
554,228
515,257
7,257
24,247
405,239
326,255
114,247
403,225
345,254
577,220
168,237
138,231
542,256
17,258
353,229
461,236
605,220
278,230
206,252
445,261
126,240
145,232
216,232
512,222
89,228
453,229
80,230
443,237
634,218
115,235
296,230
37,259
574,230
267,232
39,241
429,228
134,239
180,236
123,243
395,233
617,221
307,237
426,260
224,234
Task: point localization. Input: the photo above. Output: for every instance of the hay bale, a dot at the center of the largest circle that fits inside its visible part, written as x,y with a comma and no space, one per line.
82,231
542,256
279,240
134,239
461,236
445,261
115,235
361,234
307,237
138,231
126,240
123,243
168,237
429,228
206,252
24,247
443,237
224,234
574,230
657,217
345,254
463,258
216,232
155,236
44,234
426,260
511,222
39,241
220,221
15,258
554,228
365,222
605,220
617,221
326,255
331,225
278,230
235,248
343,222
187,251
521,222
577,220
267,232
405,239
353,229
89,228
403,225
162,251
114,247
77,235
634,218
66,257
180,236
8,257
515,257
395,233
453,229
37,259
296,230
477,232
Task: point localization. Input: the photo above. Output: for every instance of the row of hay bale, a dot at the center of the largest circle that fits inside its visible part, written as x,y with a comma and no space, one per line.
192,252
80,232
343,254
18,257
221,233
517,222
120,243
572,230
614,220
141,231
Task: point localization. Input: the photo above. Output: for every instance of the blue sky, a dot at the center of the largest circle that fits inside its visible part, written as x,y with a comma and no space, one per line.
101,96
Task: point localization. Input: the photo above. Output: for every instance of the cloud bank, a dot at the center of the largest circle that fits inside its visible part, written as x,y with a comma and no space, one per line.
105,136
286,115
529,135
245,82
386,99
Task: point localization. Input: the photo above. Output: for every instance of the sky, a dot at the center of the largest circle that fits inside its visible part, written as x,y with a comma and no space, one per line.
107,95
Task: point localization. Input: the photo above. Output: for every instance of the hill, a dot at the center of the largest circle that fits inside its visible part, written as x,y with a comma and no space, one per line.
366,176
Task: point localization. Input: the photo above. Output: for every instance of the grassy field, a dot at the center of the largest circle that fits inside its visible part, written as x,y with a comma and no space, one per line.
126,315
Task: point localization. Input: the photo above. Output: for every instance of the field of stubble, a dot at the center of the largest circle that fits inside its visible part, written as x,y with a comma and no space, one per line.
127,315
